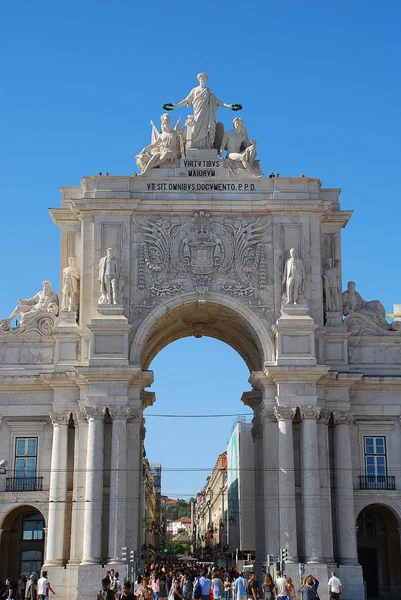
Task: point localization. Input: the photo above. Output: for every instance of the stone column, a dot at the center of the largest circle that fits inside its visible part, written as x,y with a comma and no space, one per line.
134,476
92,543
286,478
347,546
311,485
78,491
58,490
325,485
270,480
257,436
118,482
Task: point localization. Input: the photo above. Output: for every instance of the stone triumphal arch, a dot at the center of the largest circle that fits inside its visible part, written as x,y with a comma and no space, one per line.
199,243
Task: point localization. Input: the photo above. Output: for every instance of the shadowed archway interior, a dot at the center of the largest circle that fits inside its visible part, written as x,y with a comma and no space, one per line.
208,319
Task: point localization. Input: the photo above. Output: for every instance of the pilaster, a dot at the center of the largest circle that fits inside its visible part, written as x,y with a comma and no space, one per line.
118,482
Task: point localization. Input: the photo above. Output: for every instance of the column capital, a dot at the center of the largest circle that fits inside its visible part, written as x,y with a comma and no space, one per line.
134,415
284,412
59,418
342,418
119,413
309,413
79,416
324,417
93,413
257,428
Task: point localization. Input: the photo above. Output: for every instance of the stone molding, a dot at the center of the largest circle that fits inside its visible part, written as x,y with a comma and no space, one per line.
59,418
342,418
284,413
309,413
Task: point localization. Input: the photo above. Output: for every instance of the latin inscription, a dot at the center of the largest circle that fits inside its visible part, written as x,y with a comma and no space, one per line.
201,187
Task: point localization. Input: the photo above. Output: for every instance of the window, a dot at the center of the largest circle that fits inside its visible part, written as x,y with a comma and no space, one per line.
32,526
31,562
375,456
25,457
366,527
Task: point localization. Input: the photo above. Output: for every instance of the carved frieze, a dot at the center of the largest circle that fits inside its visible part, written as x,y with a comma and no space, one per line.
203,254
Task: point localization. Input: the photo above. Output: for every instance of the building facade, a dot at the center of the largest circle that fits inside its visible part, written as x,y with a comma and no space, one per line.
201,244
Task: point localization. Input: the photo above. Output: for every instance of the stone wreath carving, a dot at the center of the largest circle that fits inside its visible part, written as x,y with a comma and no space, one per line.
203,254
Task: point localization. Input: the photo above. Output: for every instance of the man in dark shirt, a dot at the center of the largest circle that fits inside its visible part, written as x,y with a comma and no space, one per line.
252,587
11,589
126,594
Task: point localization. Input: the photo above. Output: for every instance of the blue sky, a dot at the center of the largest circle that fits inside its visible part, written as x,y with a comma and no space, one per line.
320,86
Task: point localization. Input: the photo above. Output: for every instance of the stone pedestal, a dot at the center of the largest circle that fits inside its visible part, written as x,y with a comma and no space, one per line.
109,337
295,335
334,321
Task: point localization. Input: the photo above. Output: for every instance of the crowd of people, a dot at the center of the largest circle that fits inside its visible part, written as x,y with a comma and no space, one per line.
180,581
31,588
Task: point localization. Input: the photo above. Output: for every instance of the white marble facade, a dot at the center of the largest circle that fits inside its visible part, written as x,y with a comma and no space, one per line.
198,245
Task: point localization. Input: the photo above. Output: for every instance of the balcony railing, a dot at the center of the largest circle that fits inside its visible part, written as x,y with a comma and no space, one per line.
24,484
376,482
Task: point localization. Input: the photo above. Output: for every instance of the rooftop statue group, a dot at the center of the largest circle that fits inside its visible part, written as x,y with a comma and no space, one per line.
201,131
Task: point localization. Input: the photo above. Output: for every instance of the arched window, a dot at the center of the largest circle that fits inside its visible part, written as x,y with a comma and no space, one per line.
32,526
31,562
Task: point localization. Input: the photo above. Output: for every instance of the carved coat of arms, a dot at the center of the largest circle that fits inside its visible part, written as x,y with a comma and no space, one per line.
202,254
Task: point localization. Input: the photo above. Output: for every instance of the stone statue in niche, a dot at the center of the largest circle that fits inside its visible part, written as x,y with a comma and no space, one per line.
332,287
70,287
110,279
165,149
293,278
241,151
205,105
372,309
45,301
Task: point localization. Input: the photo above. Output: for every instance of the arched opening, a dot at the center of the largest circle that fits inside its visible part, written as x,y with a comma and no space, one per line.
221,318
205,378
22,542
379,551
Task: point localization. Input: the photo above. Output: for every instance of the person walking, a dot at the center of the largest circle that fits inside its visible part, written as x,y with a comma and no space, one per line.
44,587
309,588
155,585
268,587
217,586
240,587
281,586
126,593
30,589
205,585
334,587
163,591
252,587
291,593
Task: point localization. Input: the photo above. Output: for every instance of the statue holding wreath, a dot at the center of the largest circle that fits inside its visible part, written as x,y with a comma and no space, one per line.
205,105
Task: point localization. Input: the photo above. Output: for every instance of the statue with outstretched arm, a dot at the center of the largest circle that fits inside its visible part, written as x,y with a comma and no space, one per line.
205,105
